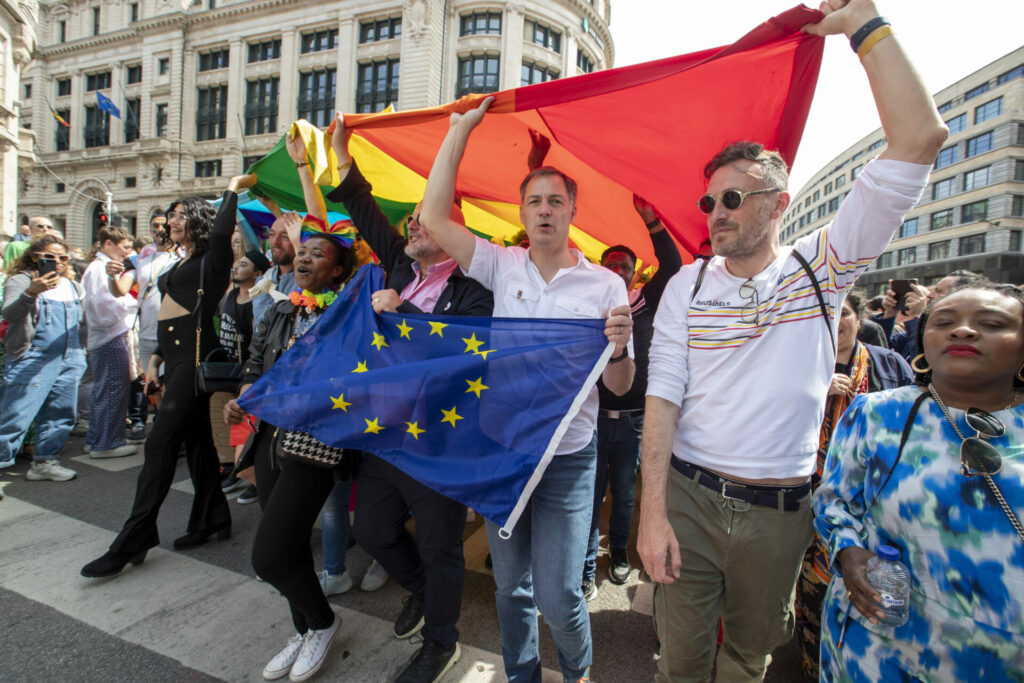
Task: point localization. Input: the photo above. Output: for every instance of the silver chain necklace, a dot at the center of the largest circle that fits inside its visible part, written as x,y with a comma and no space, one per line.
988,478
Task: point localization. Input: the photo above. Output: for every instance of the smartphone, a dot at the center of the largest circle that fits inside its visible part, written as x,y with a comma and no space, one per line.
128,265
902,288
47,265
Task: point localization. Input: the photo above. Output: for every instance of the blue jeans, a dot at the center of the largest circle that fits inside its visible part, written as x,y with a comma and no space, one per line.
336,529
540,567
618,457
42,384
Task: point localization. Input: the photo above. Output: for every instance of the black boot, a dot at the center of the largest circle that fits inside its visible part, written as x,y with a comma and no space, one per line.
198,538
112,563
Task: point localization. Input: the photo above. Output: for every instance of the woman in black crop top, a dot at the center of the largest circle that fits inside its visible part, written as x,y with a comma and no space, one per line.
182,324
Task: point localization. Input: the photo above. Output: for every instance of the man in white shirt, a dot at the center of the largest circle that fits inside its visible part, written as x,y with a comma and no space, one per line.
109,318
540,565
740,366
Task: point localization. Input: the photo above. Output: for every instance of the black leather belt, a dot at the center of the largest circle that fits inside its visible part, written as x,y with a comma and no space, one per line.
616,414
779,497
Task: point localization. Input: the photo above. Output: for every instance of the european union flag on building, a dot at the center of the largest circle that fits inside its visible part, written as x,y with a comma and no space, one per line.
107,105
473,408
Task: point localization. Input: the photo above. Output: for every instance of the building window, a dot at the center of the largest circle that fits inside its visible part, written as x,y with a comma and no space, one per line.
218,59
828,188
265,51
856,172
817,195
876,144
133,12
318,41
63,137
972,244
807,202
833,205
976,178
988,110
100,81
542,35
212,113
943,108
385,29
938,250
480,23
97,127
942,219
1018,169
261,106
133,74
957,124
131,119
209,168
316,96
822,211
975,211
477,74
164,66
909,228
130,181
248,161
946,157
63,87
583,62
161,120
95,21
974,92
537,73
943,188
63,31
377,86
906,256
59,188
26,91
884,261
1017,206
979,145
840,181
1015,240
1012,74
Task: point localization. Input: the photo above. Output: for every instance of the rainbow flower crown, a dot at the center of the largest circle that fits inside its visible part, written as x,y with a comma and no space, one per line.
341,231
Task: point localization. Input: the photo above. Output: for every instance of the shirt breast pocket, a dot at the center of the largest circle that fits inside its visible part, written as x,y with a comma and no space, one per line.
574,308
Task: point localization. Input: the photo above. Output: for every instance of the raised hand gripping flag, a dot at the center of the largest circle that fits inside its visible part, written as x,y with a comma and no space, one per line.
473,408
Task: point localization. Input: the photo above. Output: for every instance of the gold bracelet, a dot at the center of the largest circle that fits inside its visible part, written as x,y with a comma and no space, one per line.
300,164
345,166
871,40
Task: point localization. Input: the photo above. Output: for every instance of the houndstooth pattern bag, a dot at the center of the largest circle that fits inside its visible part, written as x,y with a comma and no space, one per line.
310,450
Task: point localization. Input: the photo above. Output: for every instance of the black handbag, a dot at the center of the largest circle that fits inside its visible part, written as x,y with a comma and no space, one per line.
291,444
212,375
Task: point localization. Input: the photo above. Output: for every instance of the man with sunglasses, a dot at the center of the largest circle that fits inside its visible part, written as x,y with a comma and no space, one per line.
421,277
740,365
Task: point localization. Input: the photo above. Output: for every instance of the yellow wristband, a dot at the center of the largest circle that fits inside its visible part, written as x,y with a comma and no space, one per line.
871,40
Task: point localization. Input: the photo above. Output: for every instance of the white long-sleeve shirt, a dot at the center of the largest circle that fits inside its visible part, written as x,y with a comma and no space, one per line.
108,316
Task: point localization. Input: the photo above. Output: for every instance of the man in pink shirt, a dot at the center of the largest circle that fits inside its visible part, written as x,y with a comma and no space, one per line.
421,278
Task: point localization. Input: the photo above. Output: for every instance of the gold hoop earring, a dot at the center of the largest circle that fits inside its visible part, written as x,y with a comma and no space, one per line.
1020,373
913,365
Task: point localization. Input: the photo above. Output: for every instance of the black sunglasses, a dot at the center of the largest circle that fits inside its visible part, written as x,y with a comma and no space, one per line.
731,199
978,456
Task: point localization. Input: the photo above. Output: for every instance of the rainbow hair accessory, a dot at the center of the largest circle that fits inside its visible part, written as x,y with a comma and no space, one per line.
341,231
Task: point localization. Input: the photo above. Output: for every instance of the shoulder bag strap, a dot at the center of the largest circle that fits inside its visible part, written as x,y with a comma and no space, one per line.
197,312
821,299
903,440
700,279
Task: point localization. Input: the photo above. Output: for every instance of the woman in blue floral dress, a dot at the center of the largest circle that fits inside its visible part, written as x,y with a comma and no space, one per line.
965,551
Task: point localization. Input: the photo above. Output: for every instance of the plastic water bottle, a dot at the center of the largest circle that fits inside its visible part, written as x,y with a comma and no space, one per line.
890,578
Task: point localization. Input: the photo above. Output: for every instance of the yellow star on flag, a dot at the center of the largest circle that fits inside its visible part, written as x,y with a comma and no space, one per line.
404,330
450,416
372,427
361,367
340,402
414,430
483,353
476,386
435,328
472,344
379,341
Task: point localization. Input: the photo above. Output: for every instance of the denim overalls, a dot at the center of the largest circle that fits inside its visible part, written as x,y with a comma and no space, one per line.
43,383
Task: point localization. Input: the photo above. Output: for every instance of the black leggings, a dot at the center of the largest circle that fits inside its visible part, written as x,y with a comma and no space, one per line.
183,416
281,553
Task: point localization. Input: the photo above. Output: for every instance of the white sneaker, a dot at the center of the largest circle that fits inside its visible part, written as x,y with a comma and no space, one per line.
374,578
49,469
119,452
87,448
334,584
281,664
81,428
314,650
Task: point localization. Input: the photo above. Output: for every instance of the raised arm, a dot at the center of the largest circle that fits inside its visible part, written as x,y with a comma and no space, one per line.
310,192
669,261
435,216
912,125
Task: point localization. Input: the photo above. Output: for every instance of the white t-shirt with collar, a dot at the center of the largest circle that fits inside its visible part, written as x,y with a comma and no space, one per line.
584,290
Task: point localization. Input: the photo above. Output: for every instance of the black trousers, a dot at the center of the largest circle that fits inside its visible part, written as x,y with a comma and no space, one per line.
281,554
183,417
433,564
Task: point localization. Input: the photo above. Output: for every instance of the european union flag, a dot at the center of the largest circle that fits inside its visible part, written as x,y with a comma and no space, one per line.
107,105
473,408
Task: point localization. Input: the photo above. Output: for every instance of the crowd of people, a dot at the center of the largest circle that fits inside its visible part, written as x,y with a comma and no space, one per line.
789,427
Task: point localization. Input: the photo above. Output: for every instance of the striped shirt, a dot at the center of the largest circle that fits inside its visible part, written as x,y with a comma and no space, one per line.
753,393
